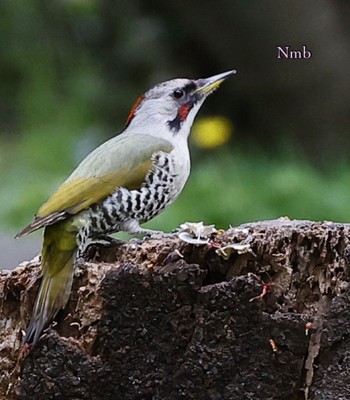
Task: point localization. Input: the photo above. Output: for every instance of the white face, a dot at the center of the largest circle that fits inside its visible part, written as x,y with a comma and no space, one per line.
169,106
168,109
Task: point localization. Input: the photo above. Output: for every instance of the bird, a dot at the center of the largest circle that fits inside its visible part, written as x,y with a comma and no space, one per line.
126,181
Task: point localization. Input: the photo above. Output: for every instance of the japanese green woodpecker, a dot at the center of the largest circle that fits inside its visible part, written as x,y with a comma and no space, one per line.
126,181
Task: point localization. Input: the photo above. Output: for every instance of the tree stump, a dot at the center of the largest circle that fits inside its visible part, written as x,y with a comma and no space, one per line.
259,312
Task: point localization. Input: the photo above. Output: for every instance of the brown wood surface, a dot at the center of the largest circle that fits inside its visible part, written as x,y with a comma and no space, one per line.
164,319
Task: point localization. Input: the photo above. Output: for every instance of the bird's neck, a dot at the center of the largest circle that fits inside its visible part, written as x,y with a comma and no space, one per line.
177,139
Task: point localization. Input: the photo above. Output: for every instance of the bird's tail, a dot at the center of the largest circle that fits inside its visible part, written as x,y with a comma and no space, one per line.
58,257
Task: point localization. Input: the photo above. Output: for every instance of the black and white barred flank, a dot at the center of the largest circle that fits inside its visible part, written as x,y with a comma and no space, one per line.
142,204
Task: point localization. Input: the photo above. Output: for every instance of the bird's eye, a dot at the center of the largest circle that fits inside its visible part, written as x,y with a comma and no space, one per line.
178,93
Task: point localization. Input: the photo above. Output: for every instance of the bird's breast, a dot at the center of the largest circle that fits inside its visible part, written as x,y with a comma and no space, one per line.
162,185
182,167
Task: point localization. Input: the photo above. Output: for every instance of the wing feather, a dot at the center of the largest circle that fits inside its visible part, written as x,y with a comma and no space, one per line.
123,161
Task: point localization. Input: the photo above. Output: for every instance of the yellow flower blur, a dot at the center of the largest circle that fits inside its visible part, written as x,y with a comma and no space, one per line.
212,131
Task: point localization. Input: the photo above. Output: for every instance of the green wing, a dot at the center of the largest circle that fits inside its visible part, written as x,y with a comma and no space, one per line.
122,161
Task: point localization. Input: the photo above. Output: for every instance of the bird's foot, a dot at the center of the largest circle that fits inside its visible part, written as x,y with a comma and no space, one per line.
104,240
92,246
132,227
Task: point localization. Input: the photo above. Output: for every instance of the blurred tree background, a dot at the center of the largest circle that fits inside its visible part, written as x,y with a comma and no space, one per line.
71,69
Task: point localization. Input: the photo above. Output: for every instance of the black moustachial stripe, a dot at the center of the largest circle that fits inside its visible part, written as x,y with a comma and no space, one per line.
181,116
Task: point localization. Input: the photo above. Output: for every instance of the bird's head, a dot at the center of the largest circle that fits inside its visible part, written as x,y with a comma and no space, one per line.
169,108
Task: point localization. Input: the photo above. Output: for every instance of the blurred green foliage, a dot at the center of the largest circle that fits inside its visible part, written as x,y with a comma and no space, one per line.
70,70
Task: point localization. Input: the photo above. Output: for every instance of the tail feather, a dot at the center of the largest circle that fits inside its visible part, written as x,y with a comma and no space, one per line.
40,222
53,296
58,268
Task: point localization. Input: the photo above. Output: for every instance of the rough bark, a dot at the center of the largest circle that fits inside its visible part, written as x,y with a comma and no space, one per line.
164,319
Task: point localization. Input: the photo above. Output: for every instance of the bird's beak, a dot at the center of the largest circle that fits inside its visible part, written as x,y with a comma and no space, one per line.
208,85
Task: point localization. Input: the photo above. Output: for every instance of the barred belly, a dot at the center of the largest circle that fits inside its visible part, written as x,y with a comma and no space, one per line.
158,190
